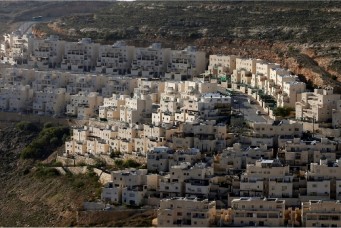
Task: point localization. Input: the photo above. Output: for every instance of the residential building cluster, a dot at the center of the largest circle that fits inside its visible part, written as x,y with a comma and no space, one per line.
87,56
58,93
199,172
174,114
273,86
193,189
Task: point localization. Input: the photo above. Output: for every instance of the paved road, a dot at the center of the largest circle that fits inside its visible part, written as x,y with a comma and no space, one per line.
249,110
26,27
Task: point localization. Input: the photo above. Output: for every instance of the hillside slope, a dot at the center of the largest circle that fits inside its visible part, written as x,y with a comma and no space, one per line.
33,193
249,29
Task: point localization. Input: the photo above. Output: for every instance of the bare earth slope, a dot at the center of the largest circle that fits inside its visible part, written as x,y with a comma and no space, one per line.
28,196
34,194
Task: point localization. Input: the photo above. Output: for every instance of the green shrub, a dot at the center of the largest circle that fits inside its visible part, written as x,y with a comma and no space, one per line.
119,163
282,111
130,163
48,125
27,126
66,137
54,141
47,141
115,154
43,171
99,163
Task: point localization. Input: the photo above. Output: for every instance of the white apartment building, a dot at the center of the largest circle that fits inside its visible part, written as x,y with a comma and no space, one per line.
276,73
49,79
50,101
153,132
17,48
135,109
185,179
198,181
129,186
264,68
104,133
169,99
76,147
85,83
16,76
237,157
187,211
203,136
119,85
317,105
252,182
115,59
187,62
94,140
258,212
100,138
241,76
221,64
84,105
110,109
321,177
149,89
208,106
158,159
80,56
248,65
320,213
276,128
190,155
290,93
16,98
190,88
301,153
150,62
47,53
267,132
262,76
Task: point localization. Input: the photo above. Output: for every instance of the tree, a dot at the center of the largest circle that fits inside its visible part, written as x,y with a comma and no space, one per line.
282,111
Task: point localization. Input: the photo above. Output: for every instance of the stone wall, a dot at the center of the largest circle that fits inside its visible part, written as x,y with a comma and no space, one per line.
101,217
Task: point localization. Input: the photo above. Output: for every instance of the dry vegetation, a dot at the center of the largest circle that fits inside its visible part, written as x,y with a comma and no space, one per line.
250,29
